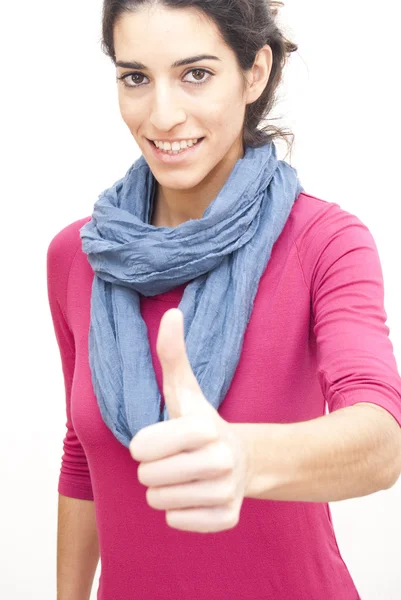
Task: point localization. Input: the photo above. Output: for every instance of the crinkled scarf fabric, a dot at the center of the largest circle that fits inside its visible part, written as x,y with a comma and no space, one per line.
222,255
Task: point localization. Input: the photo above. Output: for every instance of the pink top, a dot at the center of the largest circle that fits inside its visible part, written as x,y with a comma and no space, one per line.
317,334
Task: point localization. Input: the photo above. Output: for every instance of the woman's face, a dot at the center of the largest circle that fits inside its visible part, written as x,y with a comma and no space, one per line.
162,102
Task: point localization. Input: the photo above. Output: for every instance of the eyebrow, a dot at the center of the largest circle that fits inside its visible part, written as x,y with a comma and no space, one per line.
178,63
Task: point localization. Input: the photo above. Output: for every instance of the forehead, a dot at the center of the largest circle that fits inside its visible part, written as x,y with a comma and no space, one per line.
154,34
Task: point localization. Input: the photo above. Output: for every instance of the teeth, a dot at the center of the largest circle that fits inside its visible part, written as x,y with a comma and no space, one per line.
176,147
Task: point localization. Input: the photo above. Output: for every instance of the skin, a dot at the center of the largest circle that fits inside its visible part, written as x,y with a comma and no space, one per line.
162,103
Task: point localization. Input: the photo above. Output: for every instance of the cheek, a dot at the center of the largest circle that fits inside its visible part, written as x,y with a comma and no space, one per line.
225,111
129,115
225,122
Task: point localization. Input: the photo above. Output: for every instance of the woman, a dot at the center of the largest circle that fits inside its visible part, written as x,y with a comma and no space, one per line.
219,487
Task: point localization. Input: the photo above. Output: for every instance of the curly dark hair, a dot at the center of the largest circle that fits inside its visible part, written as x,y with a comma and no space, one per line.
246,26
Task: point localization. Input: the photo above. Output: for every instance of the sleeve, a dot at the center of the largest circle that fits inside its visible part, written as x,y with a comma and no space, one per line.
356,362
74,478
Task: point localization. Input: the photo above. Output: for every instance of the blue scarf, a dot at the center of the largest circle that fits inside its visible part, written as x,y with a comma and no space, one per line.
223,255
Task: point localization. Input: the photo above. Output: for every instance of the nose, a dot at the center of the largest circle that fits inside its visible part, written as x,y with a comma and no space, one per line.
166,111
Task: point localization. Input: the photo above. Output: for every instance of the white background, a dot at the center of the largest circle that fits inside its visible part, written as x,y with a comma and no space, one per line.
63,142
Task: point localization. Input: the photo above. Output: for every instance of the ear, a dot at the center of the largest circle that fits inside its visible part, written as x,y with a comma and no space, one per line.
260,73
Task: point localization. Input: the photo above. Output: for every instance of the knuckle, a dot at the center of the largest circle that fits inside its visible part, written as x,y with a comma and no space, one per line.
218,459
195,424
150,498
143,474
224,457
231,520
231,492
227,494
234,519
171,518
202,426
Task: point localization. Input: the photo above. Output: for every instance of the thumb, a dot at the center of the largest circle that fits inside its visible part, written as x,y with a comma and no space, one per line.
182,393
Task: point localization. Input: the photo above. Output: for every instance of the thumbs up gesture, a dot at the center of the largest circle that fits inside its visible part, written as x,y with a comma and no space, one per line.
196,466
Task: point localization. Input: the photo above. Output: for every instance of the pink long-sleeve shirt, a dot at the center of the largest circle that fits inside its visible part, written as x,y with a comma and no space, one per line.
317,335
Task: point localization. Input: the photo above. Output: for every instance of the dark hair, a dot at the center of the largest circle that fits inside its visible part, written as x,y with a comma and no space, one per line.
246,26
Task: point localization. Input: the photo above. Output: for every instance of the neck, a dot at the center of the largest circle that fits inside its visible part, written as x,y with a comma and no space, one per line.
173,207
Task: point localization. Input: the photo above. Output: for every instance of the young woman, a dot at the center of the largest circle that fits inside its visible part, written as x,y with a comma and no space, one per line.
198,460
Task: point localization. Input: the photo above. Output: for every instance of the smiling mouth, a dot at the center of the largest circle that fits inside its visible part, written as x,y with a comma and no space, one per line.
172,156
172,152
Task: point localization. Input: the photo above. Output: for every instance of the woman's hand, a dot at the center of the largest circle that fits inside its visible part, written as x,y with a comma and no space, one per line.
197,466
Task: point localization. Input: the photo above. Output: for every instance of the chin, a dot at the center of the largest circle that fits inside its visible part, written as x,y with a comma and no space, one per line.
180,181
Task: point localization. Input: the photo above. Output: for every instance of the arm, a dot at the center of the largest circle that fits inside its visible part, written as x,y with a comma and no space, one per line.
77,542
77,548
74,479
355,449
352,452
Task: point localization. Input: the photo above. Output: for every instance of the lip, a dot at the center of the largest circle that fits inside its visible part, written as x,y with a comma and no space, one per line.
175,158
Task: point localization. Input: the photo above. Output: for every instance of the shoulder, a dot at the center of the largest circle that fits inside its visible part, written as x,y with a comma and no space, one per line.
324,232
65,244
62,249
312,216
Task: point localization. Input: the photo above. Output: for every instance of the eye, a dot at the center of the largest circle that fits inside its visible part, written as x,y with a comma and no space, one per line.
202,71
126,78
129,77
